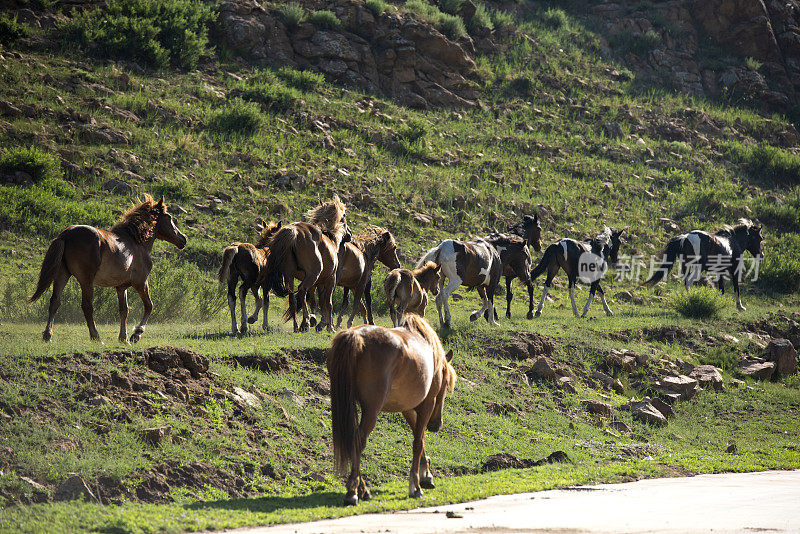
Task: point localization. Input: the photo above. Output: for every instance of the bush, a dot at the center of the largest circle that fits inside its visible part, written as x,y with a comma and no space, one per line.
11,29
481,19
725,357
501,18
698,302
752,64
292,14
780,268
555,18
324,19
450,25
376,6
156,33
271,96
304,80
36,162
635,43
237,118
413,131
766,161
450,6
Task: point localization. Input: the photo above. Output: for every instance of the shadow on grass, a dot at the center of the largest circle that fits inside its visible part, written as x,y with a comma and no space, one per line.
274,504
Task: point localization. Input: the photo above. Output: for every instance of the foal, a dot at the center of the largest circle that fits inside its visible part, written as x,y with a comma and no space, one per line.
408,290
572,255
247,261
726,246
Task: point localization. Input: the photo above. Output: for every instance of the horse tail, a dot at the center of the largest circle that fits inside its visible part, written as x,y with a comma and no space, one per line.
670,253
544,263
281,248
50,266
431,255
227,259
342,355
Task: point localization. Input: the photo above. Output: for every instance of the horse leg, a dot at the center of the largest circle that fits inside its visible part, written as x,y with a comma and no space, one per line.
484,306
358,293
59,283
425,474
326,304
735,284
122,298
87,296
265,298
368,300
509,296
259,303
345,299
144,294
424,412
356,488
529,285
592,290
451,286
548,283
572,296
247,283
603,300
490,303
232,304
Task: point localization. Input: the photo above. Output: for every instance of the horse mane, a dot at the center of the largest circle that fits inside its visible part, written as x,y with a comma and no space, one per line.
266,234
604,237
329,217
371,237
415,323
743,225
140,220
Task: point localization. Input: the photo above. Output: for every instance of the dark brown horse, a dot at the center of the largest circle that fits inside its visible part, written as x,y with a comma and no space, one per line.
248,262
356,263
407,291
402,370
118,258
308,251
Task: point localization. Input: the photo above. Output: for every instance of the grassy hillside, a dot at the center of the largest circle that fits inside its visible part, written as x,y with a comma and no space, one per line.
561,131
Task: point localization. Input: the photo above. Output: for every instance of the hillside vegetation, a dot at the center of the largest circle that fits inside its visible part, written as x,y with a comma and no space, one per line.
152,97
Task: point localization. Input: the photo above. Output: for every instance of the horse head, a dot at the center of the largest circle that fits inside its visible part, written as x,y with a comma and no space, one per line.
754,240
530,230
165,228
428,277
616,241
446,385
388,251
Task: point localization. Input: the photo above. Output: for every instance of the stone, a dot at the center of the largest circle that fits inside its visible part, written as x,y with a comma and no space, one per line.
103,135
757,370
620,426
9,110
566,384
782,353
155,436
74,488
598,407
542,369
118,186
707,375
623,359
613,130
644,411
607,382
246,398
665,409
682,384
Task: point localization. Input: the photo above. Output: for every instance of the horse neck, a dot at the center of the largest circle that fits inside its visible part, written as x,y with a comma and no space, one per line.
739,239
127,235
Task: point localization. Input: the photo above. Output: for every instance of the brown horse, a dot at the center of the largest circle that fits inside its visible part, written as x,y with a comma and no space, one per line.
308,251
356,263
118,258
407,290
403,370
248,262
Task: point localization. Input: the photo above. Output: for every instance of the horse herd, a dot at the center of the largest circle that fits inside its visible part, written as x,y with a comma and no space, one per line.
403,369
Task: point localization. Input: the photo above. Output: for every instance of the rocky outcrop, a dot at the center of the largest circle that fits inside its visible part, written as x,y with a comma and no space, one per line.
681,33
782,353
395,54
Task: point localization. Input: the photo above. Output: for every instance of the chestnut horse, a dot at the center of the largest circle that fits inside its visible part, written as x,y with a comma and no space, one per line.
118,258
247,261
402,370
308,251
408,290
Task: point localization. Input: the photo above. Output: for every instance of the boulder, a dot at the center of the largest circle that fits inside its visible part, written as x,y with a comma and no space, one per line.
665,409
118,186
566,384
644,411
246,398
607,382
681,384
782,353
155,436
542,369
707,375
757,370
620,426
74,488
598,407
623,359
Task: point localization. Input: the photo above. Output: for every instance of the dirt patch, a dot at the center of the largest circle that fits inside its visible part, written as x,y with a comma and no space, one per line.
504,460
266,364
157,484
528,345
314,355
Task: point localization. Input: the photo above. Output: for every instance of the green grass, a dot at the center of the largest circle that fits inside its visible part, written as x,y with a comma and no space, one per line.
292,14
378,7
11,29
240,117
325,19
32,160
450,25
780,269
698,302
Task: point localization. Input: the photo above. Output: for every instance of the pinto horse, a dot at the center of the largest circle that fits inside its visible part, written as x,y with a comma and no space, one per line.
407,291
726,247
402,370
516,260
474,264
118,258
308,251
247,262
572,255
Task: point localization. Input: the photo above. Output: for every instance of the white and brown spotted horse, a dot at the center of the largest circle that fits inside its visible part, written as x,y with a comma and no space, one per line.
474,264
566,254
697,249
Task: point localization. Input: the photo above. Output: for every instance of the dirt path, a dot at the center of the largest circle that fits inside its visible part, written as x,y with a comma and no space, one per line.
742,502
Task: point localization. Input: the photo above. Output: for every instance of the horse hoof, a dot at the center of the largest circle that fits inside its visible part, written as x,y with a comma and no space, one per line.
351,499
427,483
124,340
537,314
530,315
135,338
508,315
609,313
46,337
416,494
472,317
366,495
252,320
312,320
243,329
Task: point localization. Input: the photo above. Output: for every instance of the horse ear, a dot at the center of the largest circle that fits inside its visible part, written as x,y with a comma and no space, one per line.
280,223
160,203
449,356
536,218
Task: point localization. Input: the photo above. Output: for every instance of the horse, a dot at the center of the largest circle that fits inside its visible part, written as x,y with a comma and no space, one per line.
118,258
247,261
585,260
726,246
356,262
308,251
474,264
407,290
529,230
516,261
401,369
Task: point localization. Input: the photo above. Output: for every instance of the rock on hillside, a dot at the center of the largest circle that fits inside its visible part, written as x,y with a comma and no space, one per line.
765,30
397,55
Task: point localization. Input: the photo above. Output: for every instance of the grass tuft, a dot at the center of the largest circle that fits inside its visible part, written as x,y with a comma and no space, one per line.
325,19
11,29
698,302
39,164
378,7
239,118
292,14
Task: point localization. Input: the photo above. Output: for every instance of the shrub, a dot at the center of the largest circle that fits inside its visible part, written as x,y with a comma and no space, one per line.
413,131
481,19
376,6
766,161
698,302
635,43
450,6
34,161
725,357
237,118
156,33
272,96
780,268
501,18
452,26
304,80
555,18
292,14
11,29
324,19
752,64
